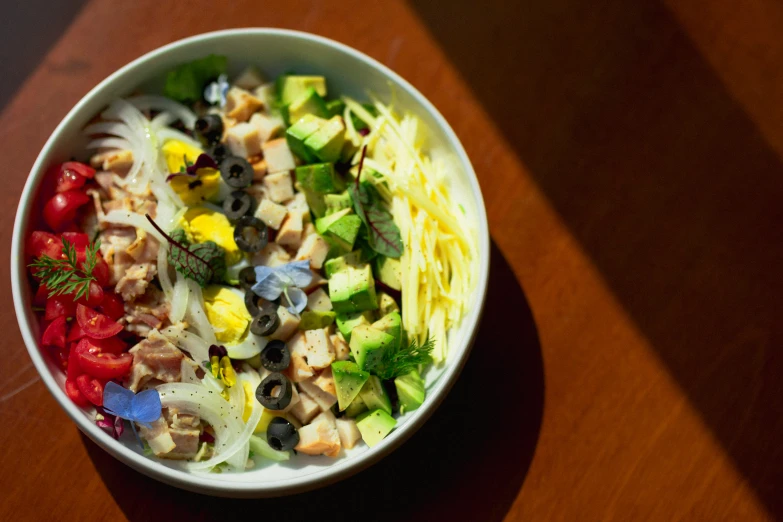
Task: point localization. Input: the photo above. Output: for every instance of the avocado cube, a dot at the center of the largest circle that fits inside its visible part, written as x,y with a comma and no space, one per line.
309,103
318,178
323,224
315,202
335,107
349,149
374,426
391,324
292,87
338,263
353,289
389,271
386,304
347,322
348,382
327,142
314,320
337,202
374,395
340,229
410,391
368,345
296,135
356,407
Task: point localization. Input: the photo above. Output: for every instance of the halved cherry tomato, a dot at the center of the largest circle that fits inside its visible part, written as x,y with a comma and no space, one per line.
79,240
94,296
105,365
79,168
113,345
41,296
73,370
91,388
59,305
68,179
72,390
75,333
54,335
101,272
44,243
96,325
112,305
61,209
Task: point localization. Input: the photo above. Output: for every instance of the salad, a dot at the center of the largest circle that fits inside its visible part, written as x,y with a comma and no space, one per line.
247,270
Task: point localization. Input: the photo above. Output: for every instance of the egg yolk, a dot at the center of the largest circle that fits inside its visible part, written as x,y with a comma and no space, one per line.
193,190
227,314
202,224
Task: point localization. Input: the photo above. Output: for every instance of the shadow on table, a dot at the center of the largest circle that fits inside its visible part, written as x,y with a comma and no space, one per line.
34,26
663,178
467,462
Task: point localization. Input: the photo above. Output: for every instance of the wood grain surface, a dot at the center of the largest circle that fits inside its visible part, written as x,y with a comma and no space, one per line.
630,158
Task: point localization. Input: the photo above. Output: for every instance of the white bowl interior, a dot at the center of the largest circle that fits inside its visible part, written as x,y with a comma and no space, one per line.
275,52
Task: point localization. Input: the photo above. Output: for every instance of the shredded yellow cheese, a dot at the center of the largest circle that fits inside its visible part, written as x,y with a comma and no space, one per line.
439,260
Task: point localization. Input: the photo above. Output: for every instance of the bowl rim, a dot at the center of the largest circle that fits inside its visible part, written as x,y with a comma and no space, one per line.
195,482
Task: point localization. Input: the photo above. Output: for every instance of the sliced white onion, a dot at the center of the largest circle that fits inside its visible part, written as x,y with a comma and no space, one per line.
109,143
188,373
196,315
160,103
189,342
250,347
172,134
179,300
134,219
163,273
114,128
164,119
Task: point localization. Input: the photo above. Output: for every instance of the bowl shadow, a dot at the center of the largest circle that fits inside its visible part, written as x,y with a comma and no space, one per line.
467,462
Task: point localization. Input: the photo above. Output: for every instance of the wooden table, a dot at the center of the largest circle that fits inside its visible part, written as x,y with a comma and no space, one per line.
629,365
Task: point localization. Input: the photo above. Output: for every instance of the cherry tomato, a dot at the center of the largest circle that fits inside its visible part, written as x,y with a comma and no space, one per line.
54,335
113,345
60,356
75,333
79,240
113,306
79,168
105,365
59,305
94,296
41,296
61,209
73,370
68,179
96,325
101,270
91,388
44,243
72,390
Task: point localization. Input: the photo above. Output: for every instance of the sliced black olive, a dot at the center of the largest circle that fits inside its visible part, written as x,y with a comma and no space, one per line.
236,172
253,302
275,356
219,152
209,129
281,434
238,204
250,234
275,392
247,278
265,323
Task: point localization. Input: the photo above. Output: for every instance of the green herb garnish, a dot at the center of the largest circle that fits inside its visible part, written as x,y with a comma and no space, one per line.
383,236
186,83
202,262
66,276
405,359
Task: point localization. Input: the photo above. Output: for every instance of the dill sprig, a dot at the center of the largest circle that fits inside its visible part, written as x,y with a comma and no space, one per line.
405,359
66,276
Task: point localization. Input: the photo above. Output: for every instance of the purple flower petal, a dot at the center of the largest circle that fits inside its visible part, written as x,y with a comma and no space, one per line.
204,161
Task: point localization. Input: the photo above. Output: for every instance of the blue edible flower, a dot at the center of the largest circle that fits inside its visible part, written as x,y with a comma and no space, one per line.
287,280
143,407
215,92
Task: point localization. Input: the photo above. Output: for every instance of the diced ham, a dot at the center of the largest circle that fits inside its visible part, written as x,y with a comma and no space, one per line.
278,156
271,213
158,437
148,312
341,349
278,185
243,141
314,248
290,233
320,352
317,281
349,433
324,399
320,437
268,126
319,301
298,204
299,370
266,93
288,324
325,381
154,358
240,104
250,78
185,444
135,281
305,409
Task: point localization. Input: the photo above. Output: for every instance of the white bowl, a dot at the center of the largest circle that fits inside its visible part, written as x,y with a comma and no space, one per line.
275,51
